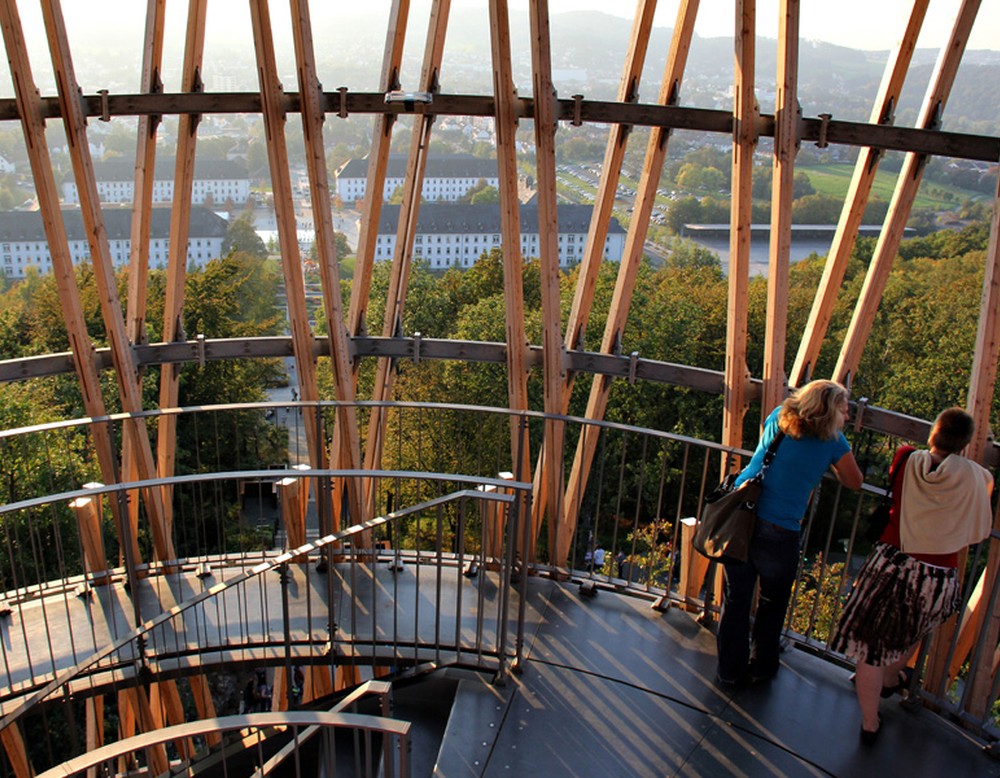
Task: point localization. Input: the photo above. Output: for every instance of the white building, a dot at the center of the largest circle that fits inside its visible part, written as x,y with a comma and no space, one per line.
458,235
445,178
220,179
23,243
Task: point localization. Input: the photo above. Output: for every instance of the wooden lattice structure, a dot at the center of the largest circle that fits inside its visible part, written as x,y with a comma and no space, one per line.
555,497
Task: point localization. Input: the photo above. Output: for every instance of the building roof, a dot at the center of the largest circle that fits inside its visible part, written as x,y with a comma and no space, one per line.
460,219
122,169
451,166
27,225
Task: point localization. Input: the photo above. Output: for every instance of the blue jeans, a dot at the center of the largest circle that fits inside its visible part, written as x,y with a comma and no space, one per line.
773,560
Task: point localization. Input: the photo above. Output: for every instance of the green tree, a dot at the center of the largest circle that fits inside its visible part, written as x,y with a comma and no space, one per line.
241,236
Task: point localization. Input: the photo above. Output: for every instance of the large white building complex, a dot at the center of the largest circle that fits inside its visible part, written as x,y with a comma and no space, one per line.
458,235
216,181
23,243
446,178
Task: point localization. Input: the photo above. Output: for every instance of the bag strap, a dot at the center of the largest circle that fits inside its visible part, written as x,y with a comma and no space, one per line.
769,455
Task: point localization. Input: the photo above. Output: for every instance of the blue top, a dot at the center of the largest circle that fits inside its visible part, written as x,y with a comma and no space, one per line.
797,467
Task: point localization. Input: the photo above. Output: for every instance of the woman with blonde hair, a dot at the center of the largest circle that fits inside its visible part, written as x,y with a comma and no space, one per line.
909,583
802,439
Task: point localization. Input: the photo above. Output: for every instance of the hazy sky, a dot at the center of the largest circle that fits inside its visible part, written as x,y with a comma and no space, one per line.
866,24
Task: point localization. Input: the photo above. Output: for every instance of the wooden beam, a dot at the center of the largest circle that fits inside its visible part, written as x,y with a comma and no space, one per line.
744,141
17,753
74,124
510,234
291,262
402,259
378,159
348,454
81,347
883,112
177,256
593,251
628,268
553,374
903,196
786,140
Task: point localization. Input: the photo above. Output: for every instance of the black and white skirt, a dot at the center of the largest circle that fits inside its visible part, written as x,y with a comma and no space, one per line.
896,601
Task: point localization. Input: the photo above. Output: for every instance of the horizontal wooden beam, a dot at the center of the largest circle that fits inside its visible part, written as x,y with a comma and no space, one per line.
983,148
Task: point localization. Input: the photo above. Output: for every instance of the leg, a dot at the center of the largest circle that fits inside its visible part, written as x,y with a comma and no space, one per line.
733,639
868,688
775,552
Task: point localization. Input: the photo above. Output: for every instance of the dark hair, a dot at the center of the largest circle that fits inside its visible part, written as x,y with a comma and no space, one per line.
952,431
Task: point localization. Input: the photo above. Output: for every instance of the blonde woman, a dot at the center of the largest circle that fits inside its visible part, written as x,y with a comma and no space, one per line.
909,583
810,424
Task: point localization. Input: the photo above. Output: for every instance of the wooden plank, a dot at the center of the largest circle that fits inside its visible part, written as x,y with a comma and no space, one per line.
74,124
378,160
593,251
510,234
744,141
291,262
903,196
348,455
551,459
81,347
628,268
856,201
177,256
406,229
17,754
138,268
783,171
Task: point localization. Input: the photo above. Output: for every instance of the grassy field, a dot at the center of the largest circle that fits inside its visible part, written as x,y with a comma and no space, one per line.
833,180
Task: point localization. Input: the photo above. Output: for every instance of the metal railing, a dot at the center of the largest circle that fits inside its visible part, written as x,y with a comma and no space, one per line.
427,583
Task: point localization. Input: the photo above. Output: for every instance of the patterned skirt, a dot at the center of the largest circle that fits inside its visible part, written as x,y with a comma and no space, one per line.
896,601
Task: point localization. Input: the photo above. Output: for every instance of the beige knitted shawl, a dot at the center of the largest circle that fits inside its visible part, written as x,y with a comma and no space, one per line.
945,509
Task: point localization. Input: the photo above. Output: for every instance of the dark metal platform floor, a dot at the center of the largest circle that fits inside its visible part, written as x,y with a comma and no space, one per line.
613,688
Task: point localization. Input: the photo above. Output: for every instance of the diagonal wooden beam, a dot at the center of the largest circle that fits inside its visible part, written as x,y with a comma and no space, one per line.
628,269
903,196
883,112
291,263
180,225
593,252
786,138
551,459
348,454
510,233
378,159
745,113
125,368
402,259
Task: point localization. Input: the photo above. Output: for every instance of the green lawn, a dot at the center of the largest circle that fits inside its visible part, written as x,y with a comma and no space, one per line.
833,180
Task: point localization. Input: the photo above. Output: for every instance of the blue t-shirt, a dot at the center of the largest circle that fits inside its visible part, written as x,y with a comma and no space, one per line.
797,467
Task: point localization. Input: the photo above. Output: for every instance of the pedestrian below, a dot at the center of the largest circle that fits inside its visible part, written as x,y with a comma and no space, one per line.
909,583
809,425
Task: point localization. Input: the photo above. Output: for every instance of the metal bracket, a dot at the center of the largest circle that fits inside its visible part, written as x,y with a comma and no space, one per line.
417,340
199,340
197,87
824,123
105,111
342,112
633,364
616,348
577,102
859,412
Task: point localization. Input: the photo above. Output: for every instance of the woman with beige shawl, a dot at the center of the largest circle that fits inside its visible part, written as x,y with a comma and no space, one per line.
909,584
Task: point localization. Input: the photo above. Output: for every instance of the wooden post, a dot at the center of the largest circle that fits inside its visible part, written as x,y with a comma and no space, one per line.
883,112
656,151
903,196
348,455
745,113
510,229
786,140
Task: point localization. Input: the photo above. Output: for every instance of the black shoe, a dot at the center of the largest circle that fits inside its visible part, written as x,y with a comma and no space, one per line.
869,737
760,675
905,676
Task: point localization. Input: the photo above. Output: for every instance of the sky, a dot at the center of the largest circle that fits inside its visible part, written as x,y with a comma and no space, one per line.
863,24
